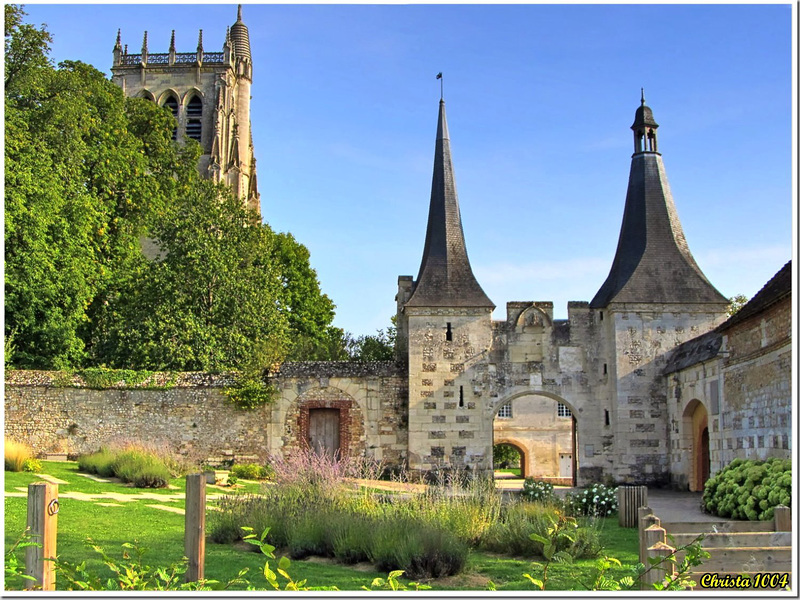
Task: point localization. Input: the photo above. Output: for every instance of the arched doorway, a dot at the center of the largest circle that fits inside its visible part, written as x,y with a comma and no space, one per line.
543,427
696,440
518,448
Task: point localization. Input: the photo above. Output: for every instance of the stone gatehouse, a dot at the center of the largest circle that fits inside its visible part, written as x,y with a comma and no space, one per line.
610,367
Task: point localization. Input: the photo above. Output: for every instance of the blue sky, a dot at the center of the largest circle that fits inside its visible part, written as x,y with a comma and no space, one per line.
540,99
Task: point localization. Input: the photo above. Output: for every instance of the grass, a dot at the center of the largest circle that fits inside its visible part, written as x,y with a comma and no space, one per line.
162,533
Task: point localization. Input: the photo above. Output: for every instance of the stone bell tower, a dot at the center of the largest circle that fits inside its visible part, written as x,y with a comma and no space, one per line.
444,318
208,93
654,298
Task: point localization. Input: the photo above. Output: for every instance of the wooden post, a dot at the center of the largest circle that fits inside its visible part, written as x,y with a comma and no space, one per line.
195,529
43,528
659,550
630,498
648,520
783,518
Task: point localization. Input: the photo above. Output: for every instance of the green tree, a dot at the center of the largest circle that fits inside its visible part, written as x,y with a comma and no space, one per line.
376,347
736,304
309,311
212,301
76,192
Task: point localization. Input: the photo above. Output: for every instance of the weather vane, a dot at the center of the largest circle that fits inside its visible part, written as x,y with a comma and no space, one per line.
441,83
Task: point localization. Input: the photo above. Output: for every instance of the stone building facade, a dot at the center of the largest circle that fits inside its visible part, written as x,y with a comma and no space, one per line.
209,96
729,392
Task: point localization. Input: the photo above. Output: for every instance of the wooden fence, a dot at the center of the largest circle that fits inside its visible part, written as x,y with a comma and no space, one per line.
749,548
43,510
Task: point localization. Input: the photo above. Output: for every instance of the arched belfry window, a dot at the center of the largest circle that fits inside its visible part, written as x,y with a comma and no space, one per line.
172,104
194,116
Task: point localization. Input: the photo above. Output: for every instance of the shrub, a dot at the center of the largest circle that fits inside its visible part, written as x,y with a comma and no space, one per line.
537,491
16,453
31,465
101,462
597,501
249,471
135,465
749,489
142,469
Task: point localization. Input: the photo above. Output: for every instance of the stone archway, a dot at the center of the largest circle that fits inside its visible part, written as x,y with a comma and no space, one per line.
695,440
543,427
524,454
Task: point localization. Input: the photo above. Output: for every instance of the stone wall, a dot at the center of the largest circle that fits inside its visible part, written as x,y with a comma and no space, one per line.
192,417
757,385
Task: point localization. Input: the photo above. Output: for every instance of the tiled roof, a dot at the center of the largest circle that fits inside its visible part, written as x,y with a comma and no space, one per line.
445,276
701,348
776,289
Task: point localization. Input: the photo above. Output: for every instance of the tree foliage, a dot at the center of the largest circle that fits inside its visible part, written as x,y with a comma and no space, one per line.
91,177
736,304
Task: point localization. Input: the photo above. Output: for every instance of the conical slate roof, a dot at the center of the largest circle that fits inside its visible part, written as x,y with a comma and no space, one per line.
445,276
653,263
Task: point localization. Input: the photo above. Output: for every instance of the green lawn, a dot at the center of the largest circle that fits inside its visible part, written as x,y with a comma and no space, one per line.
161,532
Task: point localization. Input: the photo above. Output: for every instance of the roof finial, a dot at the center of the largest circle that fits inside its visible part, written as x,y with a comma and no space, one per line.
119,39
642,96
144,44
172,42
441,85
239,13
200,41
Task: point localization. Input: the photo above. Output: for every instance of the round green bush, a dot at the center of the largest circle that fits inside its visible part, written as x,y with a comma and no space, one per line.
749,489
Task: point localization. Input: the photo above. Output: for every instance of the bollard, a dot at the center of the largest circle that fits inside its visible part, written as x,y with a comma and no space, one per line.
43,528
648,520
783,518
630,498
663,569
195,526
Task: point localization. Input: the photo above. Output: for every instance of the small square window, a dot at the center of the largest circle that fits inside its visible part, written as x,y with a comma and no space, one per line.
563,410
505,412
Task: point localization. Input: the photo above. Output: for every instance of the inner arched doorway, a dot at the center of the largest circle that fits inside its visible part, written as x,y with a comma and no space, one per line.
543,428
696,441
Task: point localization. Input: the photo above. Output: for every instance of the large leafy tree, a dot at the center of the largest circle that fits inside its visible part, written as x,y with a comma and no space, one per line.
89,175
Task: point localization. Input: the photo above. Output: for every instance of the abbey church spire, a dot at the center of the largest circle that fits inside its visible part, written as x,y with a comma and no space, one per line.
653,263
445,275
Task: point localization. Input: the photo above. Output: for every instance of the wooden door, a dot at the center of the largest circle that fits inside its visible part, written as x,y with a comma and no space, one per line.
323,431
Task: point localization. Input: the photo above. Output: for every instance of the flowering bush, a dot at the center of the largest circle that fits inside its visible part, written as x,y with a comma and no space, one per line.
537,491
596,501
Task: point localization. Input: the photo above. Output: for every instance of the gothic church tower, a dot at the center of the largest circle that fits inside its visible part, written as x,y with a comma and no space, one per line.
444,321
209,95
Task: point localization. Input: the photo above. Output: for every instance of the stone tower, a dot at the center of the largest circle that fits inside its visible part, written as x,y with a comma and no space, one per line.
654,298
444,318
209,95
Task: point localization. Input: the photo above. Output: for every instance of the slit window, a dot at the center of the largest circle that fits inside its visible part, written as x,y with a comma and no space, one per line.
608,418
461,396
605,368
448,336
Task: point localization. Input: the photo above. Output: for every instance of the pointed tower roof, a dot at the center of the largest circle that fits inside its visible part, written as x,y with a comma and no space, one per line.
445,276
653,263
